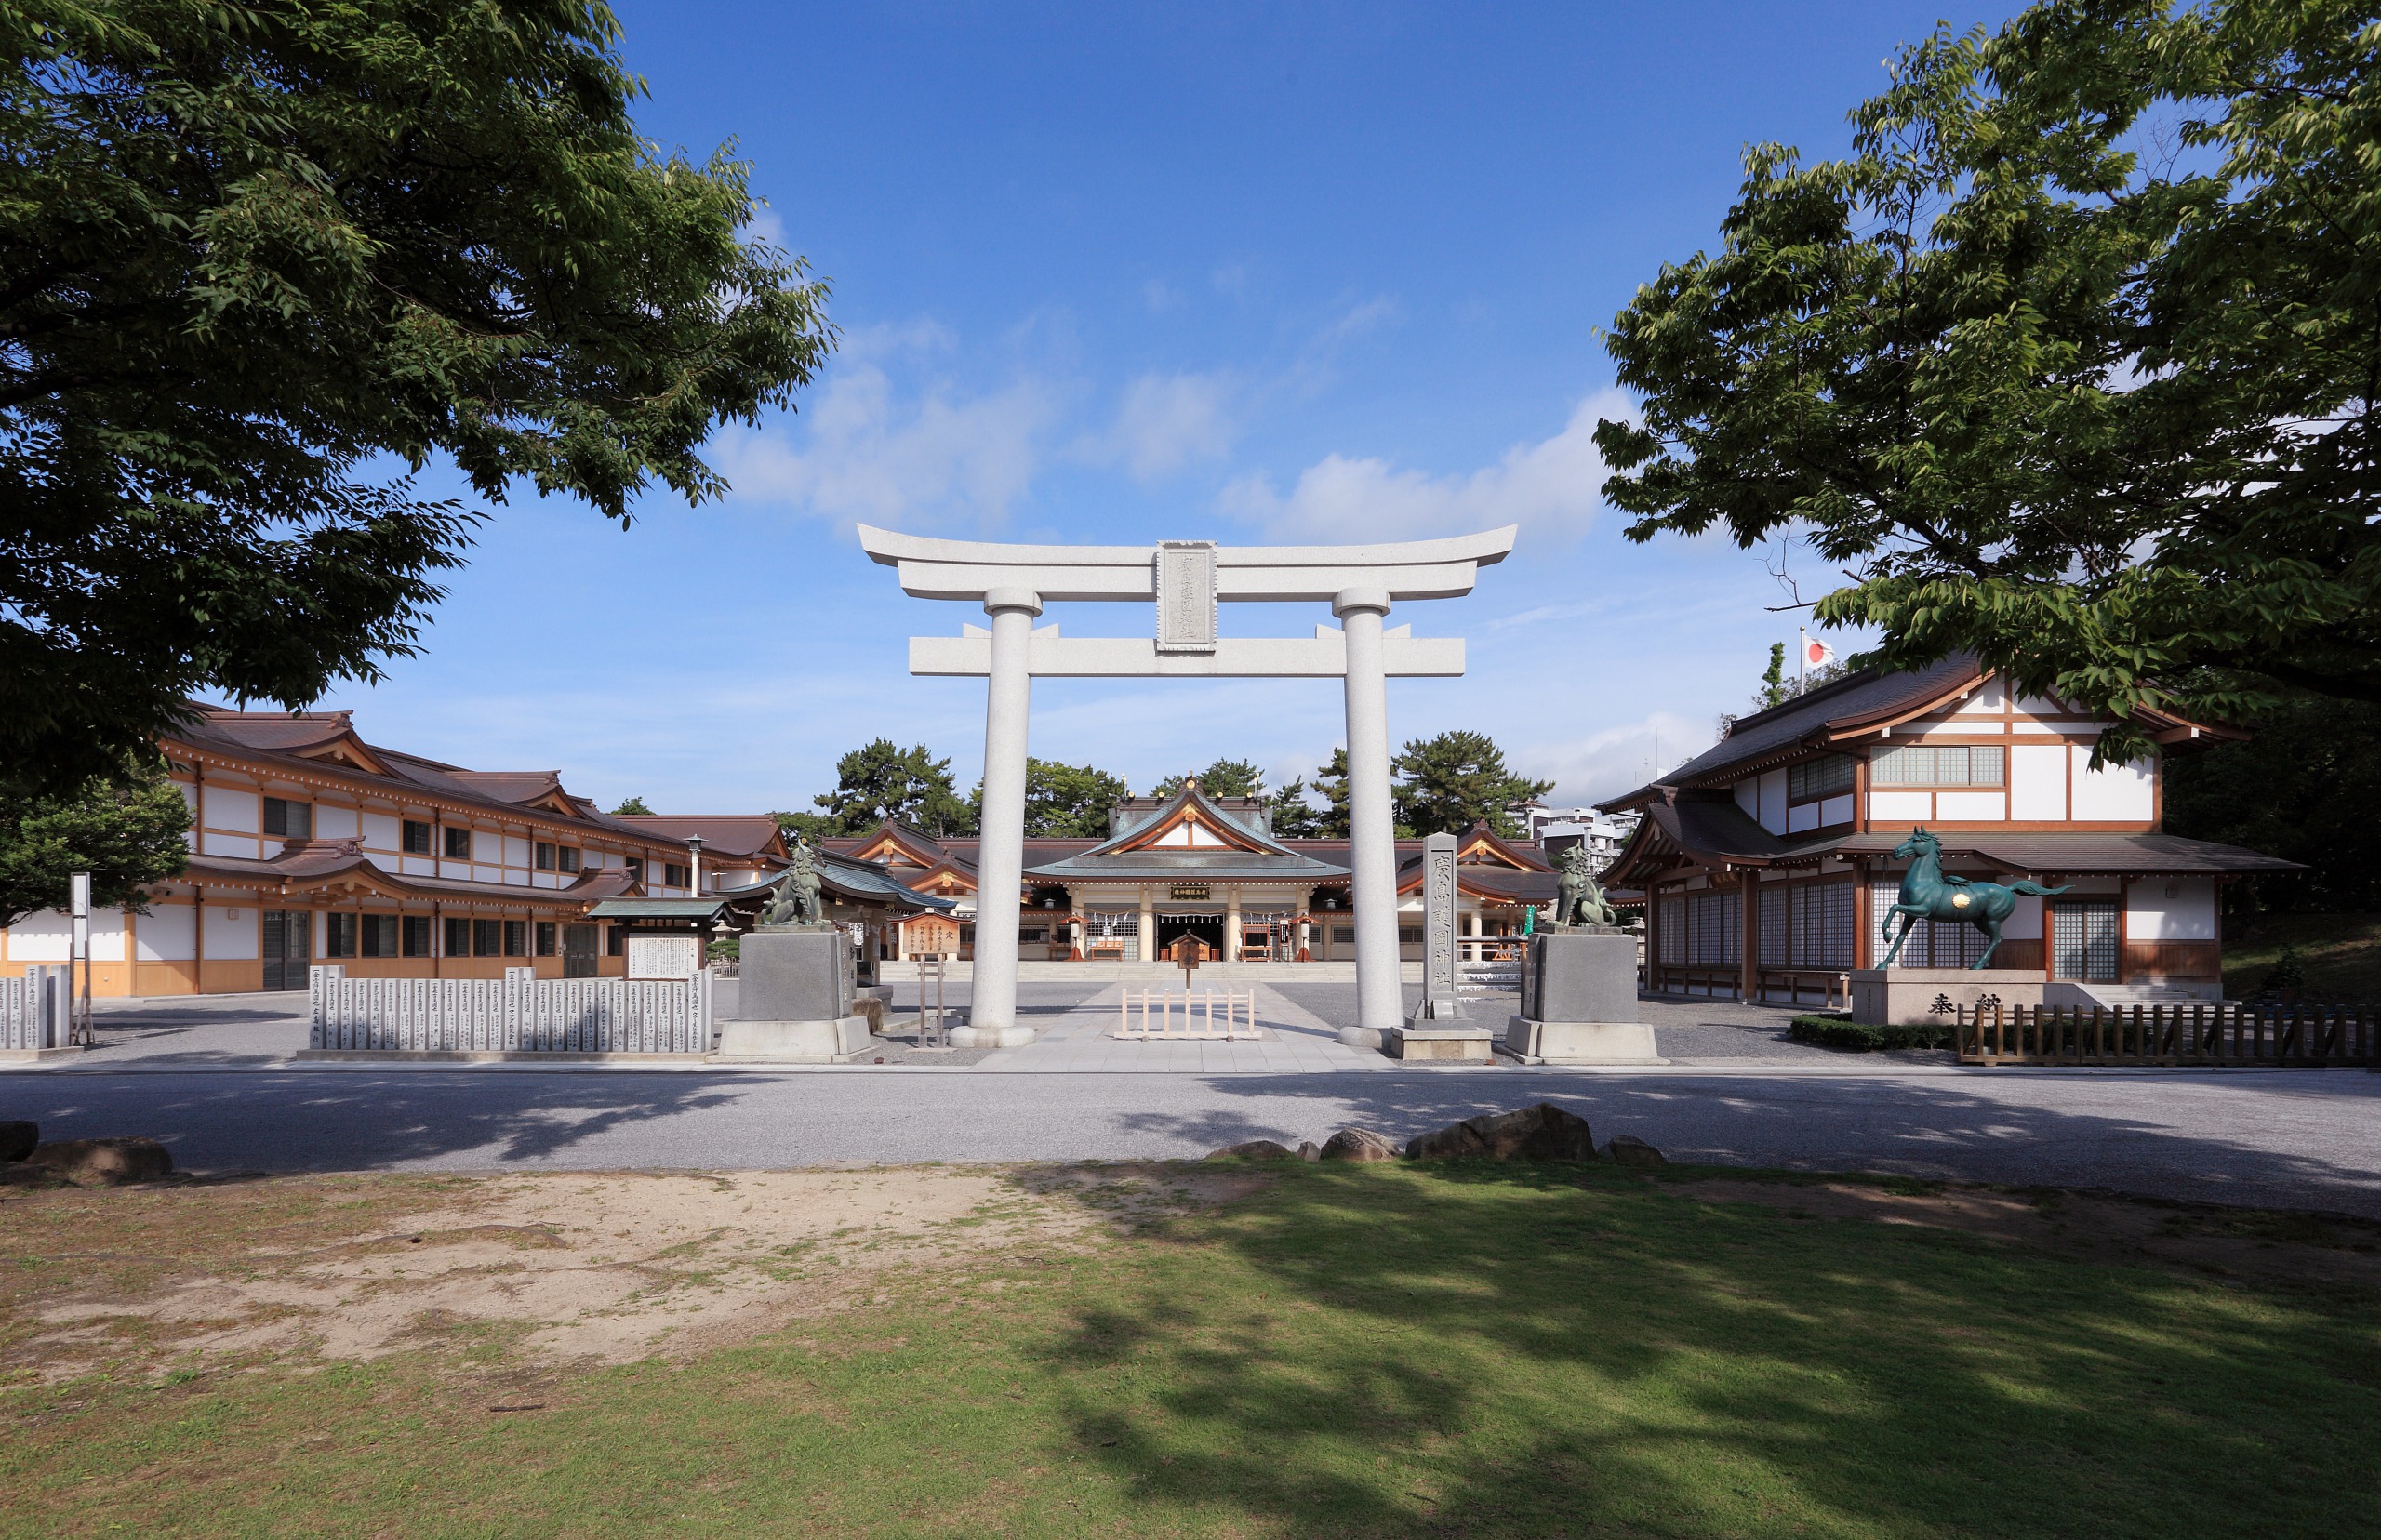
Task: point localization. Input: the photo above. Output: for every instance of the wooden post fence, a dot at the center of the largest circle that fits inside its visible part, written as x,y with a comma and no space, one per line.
2202,1033
1199,1024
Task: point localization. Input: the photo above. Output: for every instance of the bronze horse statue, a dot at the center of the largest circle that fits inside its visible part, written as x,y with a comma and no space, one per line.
1927,894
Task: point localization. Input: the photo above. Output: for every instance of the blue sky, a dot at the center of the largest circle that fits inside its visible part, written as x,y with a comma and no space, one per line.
1261,274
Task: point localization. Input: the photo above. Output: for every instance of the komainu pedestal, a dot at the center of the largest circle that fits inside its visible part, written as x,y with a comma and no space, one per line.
797,998
1579,1001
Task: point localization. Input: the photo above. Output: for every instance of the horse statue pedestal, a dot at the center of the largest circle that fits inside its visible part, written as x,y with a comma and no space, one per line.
1579,1001
795,998
1909,997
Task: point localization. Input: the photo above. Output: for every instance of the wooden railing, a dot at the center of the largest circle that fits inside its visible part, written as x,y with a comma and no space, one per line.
2203,1034
1199,1021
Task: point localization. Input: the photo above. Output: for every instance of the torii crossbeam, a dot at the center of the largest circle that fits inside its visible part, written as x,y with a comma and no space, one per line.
1184,580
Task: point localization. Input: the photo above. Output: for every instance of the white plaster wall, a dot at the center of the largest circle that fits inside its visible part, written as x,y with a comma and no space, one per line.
2119,793
1772,802
1988,697
2188,915
516,851
1900,806
231,932
1972,806
334,823
1803,817
233,844
169,933
417,865
1836,810
107,935
45,935
382,831
2039,706
2038,782
1747,795
228,807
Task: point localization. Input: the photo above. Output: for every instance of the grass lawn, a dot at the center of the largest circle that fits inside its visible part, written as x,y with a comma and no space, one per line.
1322,1350
2342,953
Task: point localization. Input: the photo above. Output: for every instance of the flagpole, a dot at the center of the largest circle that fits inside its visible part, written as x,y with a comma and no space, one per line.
1801,659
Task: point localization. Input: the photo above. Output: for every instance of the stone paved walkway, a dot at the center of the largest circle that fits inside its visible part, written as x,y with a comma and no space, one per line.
1294,1041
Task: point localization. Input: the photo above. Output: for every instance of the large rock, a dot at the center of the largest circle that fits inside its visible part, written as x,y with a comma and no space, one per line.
1541,1133
17,1138
1630,1150
1254,1150
1359,1144
104,1163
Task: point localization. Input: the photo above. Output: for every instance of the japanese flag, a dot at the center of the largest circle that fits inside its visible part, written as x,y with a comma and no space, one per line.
1817,654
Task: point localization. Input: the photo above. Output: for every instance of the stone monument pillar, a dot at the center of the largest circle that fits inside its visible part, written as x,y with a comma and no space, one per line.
1371,832
1440,1028
999,865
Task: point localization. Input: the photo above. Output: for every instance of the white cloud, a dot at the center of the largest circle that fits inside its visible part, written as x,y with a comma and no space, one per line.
871,452
1164,421
1551,485
1618,759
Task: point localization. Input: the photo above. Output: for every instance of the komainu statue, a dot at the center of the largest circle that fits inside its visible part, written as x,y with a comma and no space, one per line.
796,899
1579,899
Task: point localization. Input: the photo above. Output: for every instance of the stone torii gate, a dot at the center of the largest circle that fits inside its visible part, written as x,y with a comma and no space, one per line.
1185,579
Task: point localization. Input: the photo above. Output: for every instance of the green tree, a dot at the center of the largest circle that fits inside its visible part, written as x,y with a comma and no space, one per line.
2072,363
1223,779
632,807
1292,817
1447,784
878,783
126,830
251,257
2303,788
1068,801
809,828
1331,781
1774,689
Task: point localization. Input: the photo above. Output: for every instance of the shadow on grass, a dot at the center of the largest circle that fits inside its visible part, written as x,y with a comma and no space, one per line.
1488,1349
2127,1134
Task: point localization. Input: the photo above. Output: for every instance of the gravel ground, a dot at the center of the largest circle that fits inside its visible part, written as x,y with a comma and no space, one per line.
2304,1138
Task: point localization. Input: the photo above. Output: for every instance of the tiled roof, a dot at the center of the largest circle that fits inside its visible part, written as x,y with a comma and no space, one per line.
722,834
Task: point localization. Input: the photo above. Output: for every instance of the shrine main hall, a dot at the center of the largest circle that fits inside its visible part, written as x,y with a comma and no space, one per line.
1192,864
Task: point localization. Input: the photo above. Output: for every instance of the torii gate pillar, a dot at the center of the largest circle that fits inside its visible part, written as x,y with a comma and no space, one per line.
1185,579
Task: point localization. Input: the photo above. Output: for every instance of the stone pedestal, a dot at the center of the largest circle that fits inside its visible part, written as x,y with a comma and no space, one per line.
1451,1042
1579,1001
1908,997
797,998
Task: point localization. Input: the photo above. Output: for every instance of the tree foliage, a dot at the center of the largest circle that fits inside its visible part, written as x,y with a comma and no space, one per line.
1331,784
126,830
252,255
1069,801
878,783
1290,816
1225,777
632,807
1448,783
2303,788
2073,363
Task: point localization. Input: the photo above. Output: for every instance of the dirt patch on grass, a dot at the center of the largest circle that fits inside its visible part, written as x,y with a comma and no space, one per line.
2264,1246
554,1268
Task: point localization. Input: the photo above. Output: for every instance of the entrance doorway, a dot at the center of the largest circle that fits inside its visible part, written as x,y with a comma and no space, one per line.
578,951
288,948
1208,928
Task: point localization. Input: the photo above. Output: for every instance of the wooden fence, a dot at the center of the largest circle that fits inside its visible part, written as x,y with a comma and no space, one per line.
37,1010
1201,1025
2207,1034
517,1014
